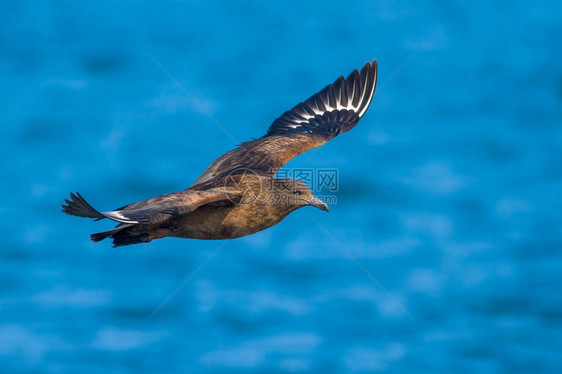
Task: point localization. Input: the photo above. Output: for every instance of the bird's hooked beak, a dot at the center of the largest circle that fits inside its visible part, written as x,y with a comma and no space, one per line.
316,202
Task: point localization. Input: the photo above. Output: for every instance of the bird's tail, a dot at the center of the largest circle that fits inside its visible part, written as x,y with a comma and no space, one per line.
77,206
99,236
128,237
123,235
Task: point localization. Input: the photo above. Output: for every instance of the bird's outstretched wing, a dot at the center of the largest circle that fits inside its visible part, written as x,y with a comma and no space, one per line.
155,210
312,123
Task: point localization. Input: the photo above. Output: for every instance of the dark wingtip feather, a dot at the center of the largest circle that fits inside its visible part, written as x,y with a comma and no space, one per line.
350,97
77,206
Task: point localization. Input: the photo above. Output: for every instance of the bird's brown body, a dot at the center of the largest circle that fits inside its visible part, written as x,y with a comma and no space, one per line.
264,206
237,194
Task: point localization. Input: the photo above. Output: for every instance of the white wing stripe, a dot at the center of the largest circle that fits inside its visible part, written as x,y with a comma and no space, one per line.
371,94
367,105
349,106
117,216
352,95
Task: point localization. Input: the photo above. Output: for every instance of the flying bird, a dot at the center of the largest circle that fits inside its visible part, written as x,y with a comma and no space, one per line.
238,195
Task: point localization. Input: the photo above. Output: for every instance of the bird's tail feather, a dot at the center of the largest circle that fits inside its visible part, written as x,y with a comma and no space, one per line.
77,206
122,236
128,237
99,236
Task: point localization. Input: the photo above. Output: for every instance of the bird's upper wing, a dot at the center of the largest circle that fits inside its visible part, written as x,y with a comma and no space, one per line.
335,109
161,208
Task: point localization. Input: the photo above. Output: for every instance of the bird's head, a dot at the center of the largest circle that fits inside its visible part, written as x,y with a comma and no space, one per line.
296,194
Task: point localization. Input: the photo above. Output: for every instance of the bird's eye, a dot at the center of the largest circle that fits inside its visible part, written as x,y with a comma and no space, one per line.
296,192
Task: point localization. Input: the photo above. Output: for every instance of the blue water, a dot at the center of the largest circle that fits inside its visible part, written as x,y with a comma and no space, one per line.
449,188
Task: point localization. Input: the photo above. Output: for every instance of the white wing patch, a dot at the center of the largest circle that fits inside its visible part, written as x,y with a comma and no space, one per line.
118,216
352,94
343,103
339,106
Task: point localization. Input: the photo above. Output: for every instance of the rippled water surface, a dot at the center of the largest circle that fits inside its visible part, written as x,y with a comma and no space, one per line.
449,189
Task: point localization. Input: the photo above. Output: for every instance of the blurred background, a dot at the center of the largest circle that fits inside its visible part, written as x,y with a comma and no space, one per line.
449,188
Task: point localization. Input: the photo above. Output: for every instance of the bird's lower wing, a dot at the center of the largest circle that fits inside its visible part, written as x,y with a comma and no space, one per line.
310,124
157,209
163,207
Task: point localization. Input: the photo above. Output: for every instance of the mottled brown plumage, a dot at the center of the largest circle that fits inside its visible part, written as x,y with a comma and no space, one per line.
237,195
